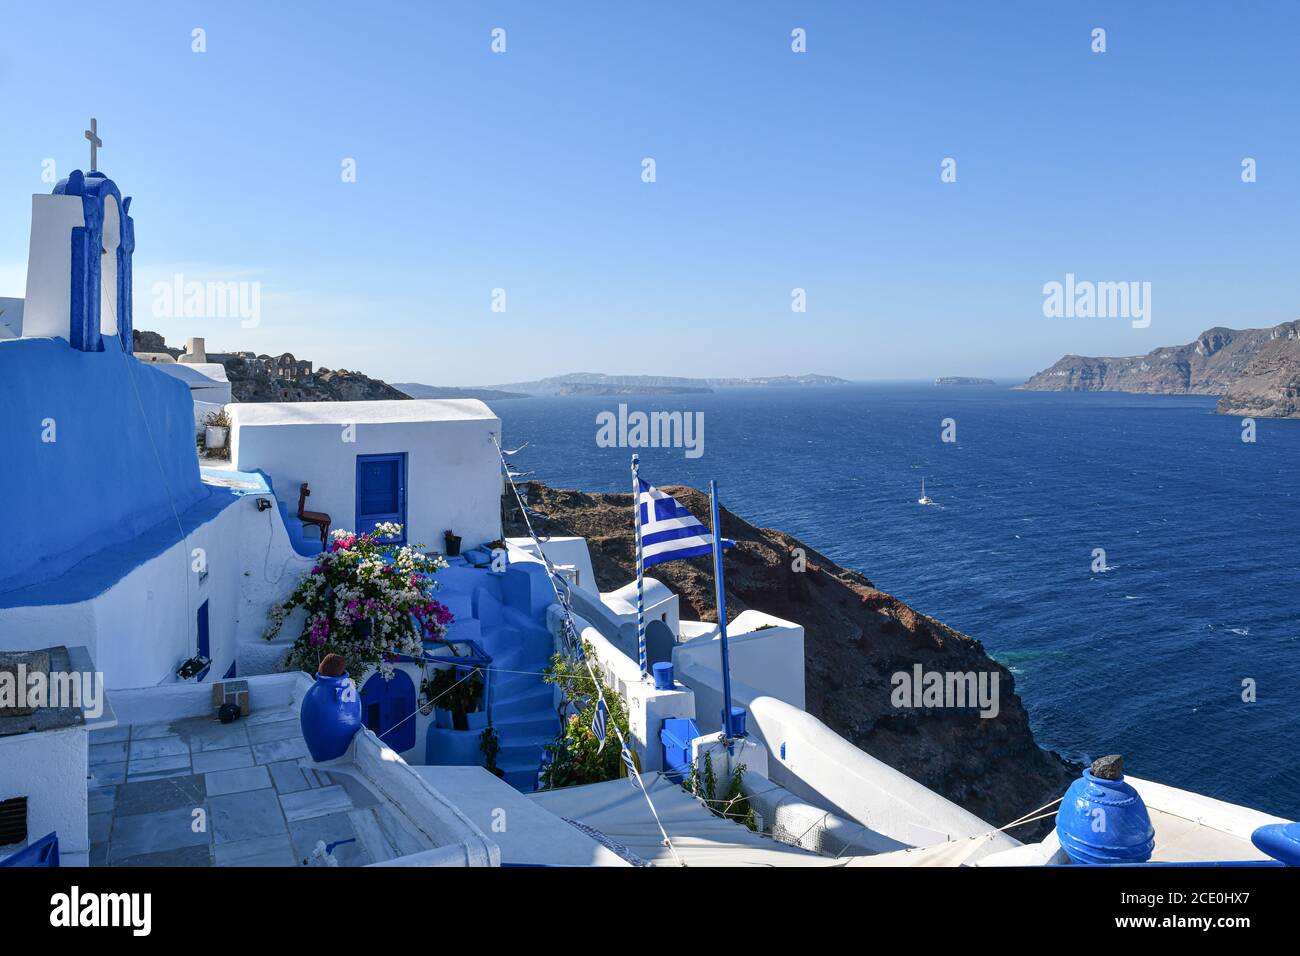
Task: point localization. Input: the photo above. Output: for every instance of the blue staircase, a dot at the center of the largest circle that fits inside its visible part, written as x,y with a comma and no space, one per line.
508,619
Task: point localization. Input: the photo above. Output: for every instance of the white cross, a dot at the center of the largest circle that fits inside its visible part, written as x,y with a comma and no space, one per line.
95,142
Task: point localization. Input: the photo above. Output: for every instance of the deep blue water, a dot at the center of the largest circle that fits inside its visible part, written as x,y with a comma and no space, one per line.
1147,659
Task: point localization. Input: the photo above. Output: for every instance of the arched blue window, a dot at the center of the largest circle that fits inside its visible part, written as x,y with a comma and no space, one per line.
386,704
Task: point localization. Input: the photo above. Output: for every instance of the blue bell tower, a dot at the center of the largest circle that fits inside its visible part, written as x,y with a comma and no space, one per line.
99,295
79,264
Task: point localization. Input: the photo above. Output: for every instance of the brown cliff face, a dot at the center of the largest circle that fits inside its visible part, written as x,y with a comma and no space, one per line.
856,637
1255,371
1270,385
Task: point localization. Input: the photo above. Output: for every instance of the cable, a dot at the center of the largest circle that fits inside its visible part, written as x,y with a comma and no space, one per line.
574,644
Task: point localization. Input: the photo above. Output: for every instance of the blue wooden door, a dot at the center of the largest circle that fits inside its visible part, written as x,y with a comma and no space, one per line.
381,491
386,706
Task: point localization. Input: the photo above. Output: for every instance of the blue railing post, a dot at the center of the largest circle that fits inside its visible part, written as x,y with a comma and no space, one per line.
721,591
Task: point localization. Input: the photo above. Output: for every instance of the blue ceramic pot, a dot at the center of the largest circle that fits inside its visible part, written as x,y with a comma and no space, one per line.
330,717
1104,821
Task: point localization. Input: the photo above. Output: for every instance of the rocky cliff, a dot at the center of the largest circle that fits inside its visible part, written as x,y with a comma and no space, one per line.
1270,385
856,638
250,383
1257,371
280,379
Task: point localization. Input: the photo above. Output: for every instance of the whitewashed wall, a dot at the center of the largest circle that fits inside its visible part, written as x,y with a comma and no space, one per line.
453,476
49,265
766,653
49,768
813,762
140,628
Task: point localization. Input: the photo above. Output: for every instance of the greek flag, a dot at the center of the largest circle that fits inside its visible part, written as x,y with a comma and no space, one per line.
669,531
631,767
598,722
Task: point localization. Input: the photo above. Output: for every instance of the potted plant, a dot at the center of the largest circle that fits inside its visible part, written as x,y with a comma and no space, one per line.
366,599
457,698
216,430
453,542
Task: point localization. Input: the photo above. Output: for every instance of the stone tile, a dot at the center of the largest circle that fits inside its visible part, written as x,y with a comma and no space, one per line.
205,734
170,766
100,799
110,735
100,825
278,730
271,716
208,761
106,775
98,854
199,855
159,774
143,731
153,796
315,803
158,747
330,829
245,816
107,753
272,750
238,780
264,851
288,777
148,833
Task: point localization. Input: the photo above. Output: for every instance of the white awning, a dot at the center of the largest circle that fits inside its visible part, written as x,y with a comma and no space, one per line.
619,811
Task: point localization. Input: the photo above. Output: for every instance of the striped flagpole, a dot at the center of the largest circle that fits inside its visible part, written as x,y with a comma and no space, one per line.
640,568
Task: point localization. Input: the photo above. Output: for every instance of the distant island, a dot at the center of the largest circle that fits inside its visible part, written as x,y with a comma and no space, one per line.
962,380
1256,372
598,383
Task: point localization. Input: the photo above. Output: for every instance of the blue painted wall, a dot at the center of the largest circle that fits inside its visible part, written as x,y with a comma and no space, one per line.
99,483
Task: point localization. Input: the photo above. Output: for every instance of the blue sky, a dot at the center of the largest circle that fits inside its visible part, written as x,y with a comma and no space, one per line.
775,170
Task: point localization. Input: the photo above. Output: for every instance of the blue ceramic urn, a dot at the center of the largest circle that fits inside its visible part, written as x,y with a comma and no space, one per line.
330,716
1102,819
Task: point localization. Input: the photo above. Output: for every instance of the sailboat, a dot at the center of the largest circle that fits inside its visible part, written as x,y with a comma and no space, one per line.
924,499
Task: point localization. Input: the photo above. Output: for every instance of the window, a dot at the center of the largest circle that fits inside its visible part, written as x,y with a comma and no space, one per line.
13,821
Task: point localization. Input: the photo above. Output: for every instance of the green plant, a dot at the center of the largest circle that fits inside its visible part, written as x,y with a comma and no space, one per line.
576,756
366,600
733,805
490,743
455,692
217,419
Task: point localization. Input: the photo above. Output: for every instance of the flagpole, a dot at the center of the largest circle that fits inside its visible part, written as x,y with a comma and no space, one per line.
640,567
721,591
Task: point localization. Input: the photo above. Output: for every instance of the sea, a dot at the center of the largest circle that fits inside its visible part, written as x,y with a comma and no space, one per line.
1183,654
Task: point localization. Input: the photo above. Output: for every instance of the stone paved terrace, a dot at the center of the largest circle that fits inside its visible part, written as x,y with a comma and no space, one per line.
264,803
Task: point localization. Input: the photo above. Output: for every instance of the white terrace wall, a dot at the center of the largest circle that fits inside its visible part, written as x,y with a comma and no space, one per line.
813,762
145,623
766,653
453,472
